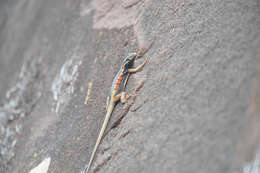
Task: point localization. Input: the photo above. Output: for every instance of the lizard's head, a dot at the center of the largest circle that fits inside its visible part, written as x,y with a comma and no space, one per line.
129,60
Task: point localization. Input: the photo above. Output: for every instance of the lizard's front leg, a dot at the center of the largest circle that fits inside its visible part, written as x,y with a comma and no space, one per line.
133,70
122,97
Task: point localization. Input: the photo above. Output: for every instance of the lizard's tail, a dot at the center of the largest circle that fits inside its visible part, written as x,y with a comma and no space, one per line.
101,133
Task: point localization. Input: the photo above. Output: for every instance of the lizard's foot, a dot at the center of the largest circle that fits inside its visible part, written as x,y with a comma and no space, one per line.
125,97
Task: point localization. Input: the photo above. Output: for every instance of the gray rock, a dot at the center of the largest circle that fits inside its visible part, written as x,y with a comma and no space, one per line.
189,114
3,117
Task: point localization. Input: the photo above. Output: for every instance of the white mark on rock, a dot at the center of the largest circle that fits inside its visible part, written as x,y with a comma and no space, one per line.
253,166
42,167
20,100
63,84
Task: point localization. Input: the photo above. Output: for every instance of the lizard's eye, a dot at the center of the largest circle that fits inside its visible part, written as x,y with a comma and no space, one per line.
128,64
129,60
126,60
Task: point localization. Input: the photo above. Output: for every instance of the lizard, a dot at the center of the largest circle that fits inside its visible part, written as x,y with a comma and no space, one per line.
117,93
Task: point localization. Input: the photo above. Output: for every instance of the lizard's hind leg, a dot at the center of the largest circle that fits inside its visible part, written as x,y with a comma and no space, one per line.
124,97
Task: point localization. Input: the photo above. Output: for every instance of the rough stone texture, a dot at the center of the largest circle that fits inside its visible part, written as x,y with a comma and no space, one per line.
247,157
188,116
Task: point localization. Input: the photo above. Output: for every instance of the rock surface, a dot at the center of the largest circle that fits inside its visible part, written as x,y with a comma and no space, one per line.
189,115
